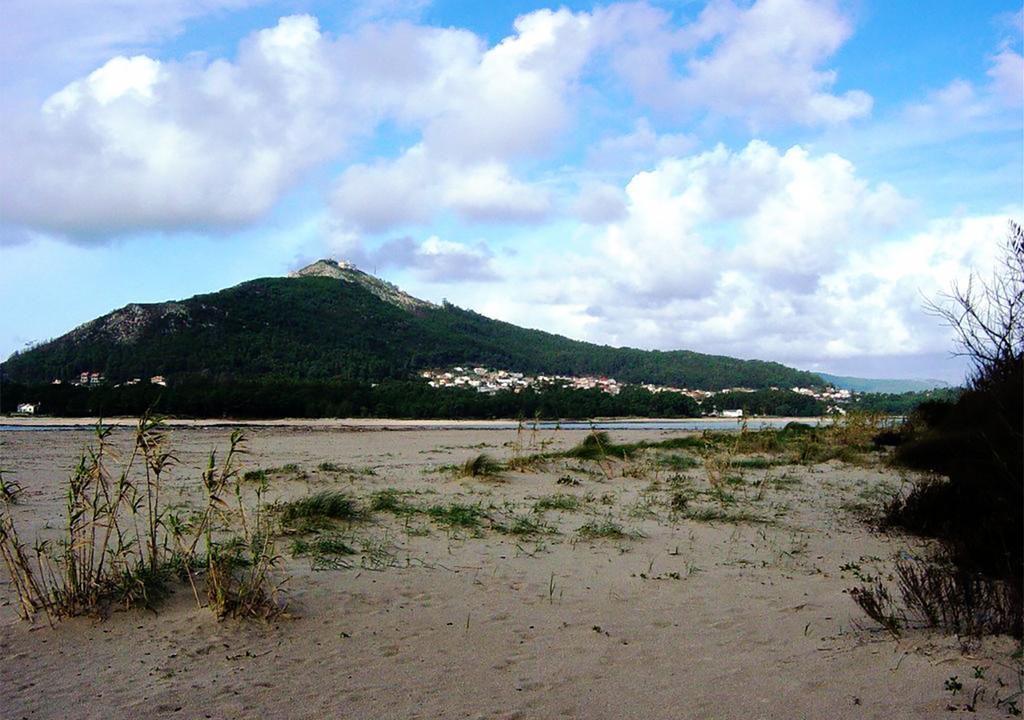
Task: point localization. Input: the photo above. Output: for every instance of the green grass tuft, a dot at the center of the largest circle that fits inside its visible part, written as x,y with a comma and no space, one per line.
604,530
457,515
325,505
483,465
678,462
392,501
713,514
346,469
327,544
526,525
560,501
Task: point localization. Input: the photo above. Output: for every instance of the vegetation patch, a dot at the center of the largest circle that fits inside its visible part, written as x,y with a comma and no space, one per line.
482,465
725,515
122,546
936,592
678,462
605,530
393,501
759,463
458,515
291,471
319,509
326,551
559,501
525,525
974,583
345,469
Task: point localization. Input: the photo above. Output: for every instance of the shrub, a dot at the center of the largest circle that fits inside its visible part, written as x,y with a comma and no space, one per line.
324,505
121,546
977,442
483,465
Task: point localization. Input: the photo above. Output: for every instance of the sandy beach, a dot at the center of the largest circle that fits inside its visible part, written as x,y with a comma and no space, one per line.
737,613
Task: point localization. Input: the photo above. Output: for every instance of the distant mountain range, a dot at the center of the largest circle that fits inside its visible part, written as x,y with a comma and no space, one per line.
892,386
331,321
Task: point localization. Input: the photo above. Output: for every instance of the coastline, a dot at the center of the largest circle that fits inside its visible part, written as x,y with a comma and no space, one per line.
380,423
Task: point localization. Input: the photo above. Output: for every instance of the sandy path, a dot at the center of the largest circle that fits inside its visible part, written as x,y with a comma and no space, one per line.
691,620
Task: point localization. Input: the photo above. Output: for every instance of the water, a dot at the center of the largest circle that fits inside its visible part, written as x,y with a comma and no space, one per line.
43,428
691,424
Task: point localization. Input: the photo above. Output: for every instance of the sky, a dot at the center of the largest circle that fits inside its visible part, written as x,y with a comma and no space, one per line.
788,180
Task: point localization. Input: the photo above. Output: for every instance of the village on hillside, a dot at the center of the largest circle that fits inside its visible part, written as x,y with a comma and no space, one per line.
488,380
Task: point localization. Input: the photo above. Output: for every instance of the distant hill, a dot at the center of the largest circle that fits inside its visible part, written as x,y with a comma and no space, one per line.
331,321
891,386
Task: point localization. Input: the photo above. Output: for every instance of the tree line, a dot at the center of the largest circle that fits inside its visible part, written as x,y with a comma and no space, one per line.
257,399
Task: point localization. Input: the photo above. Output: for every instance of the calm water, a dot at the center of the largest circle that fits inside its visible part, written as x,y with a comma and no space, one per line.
690,424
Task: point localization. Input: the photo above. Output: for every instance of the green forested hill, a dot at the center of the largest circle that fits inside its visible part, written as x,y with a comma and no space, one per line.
352,327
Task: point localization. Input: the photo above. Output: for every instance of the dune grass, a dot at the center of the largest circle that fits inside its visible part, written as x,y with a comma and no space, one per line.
122,545
524,525
333,467
559,501
393,501
605,530
319,509
325,552
678,462
458,515
482,465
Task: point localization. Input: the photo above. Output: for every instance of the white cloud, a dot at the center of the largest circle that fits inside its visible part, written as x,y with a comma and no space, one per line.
516,97
1007,76
599,203
643,146
487,191
759,252
142,143
759,64
786,216
483,108
415,187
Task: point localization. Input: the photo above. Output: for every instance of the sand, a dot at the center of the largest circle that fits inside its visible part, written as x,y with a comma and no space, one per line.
685,619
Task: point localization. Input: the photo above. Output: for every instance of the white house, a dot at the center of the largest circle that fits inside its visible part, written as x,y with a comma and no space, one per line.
28,408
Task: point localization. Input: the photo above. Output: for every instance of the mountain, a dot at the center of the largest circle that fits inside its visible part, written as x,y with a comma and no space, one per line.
891,386
331,321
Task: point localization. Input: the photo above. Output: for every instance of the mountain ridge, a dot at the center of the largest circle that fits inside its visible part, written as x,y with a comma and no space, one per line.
883,385
331,321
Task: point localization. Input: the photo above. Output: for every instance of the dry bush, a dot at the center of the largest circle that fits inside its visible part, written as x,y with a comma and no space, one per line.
120,546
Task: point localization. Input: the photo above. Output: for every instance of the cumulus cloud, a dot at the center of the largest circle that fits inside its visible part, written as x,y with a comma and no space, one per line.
758,252
513,99
415,187
786,216
760,64
599,203
142,143
868,305
485,108
643,146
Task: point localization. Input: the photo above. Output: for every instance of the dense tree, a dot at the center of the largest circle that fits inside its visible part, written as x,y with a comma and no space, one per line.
324,329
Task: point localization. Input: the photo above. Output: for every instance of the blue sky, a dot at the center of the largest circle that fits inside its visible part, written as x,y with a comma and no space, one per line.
782,179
